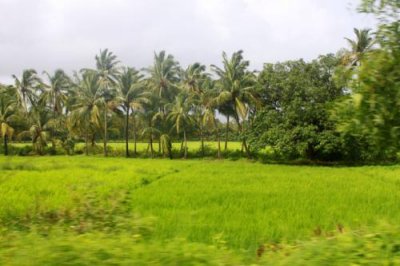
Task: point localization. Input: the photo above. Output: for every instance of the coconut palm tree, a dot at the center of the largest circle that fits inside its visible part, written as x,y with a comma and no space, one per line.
133,96
55,96
236,89
196,83
181,117
40,118
163,82
85,115
26,88
107,68
209,121
8,109
358,47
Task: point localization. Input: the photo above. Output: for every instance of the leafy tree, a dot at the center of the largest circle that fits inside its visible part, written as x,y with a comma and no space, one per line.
294,119
369,117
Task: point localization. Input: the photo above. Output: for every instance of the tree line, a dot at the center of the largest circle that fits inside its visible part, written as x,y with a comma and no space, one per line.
341,106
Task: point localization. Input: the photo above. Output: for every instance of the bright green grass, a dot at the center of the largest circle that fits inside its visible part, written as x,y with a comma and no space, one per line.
243,203
142,146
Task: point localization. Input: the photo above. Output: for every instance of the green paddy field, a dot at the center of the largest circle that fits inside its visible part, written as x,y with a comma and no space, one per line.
214,210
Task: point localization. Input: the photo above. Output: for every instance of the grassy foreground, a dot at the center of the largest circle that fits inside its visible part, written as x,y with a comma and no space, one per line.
186,208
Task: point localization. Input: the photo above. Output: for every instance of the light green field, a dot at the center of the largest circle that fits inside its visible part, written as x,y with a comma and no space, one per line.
247,202
240,204
142,146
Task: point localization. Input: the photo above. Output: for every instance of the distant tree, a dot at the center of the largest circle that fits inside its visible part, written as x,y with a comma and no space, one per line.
294,121
26,88
358,47
197,84
181,117
8,109
133,96
107,69
85,115
237,91
368,118
55,96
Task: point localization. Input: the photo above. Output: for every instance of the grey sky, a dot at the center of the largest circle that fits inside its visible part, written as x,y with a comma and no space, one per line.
50,34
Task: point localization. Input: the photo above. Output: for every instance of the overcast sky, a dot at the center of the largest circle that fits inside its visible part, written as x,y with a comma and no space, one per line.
50,34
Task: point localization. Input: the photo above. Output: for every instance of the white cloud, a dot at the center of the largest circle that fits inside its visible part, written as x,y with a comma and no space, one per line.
50,34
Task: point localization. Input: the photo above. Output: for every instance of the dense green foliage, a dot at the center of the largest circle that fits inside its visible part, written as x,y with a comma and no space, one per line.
295,119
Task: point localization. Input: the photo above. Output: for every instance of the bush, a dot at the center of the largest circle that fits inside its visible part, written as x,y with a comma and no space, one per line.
25,150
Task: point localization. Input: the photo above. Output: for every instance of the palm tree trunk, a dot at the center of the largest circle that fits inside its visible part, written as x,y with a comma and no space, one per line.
105,131
182,143
127,132
202,140
151,144
219,145
244,144
226,132
134,134
185,141
5,145
53,144
246,148
87,141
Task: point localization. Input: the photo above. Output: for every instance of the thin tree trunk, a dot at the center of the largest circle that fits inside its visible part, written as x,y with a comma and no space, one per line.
159,144
87,143
5,145
151,144
182,143
53,144
244,144
219,145
185,141
105,132
127,132
202,140
134,134
226,132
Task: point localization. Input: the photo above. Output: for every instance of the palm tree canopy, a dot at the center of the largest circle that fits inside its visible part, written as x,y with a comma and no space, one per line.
131,89
180,112
89,99
164,75
55,92
107,67
235,85
358,47
26,88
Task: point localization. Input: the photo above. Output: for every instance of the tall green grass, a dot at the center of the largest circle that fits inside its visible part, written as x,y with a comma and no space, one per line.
240,205
247,203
